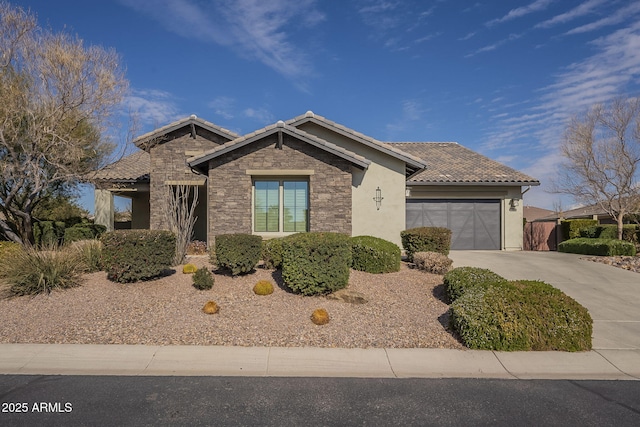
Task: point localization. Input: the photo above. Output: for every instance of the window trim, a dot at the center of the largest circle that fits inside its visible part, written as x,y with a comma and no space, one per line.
281,180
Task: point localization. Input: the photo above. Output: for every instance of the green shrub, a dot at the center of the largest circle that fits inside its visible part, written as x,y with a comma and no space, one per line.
459,280
603,247
33,271
203,279
238,253
374,255
432,262
523,316
48,233
90,253
572,228
134,255
610,231
83,232
272,252
426,239
316,263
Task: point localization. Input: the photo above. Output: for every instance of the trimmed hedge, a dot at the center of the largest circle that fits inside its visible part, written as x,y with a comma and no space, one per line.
459,280
47,233
630,232
603,247
522,316
83,232
272,252
134,255
238,253
374,255
426,239
316,263
572,228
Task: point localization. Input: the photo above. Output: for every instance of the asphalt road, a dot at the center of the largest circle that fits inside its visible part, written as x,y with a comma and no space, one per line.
219,401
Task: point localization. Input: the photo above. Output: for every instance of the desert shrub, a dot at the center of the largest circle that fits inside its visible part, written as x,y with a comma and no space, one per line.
603,247
459,280
263,287
189,269
272,252
374,255
90,253
197,247
432,262
211,307
426,239
238,253
134,255
524,316
48,233
33,271
320,316
203,279
316,263
572,228
83,231
7,250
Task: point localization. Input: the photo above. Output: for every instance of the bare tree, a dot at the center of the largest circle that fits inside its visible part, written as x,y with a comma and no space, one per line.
57,95
601,151
179,207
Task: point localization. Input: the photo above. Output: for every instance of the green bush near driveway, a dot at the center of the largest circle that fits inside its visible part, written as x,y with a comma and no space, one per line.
459,280
134,255
316,263
426,239
238,253
521,316
374,255
602,247
83,231
572,228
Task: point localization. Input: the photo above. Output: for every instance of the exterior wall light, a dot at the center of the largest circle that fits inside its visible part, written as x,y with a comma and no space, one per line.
514,203
378,198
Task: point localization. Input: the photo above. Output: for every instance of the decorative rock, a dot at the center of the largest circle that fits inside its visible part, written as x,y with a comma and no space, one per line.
349,296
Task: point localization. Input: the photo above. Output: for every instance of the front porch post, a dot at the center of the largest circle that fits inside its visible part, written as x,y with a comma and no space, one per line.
104,209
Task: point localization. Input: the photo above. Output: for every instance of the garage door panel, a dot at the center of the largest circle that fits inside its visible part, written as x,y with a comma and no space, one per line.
475,224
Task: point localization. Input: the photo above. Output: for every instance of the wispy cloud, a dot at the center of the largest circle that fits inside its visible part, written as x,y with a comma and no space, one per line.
152,108
261,115
223,106
581,10
495,45
258,30
620,15
607,73
412,112
519,12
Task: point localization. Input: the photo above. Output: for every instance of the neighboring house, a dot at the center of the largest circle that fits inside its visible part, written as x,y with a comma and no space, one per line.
584,212
311,174
532,213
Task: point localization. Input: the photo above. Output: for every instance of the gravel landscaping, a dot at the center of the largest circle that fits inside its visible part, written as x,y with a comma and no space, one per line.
631,263
404,310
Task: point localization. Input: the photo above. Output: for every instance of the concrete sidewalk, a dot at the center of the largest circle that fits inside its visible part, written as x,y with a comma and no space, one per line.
78,359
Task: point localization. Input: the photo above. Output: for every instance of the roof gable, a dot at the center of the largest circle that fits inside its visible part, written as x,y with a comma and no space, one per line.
279,127
451,163
192,122
413,164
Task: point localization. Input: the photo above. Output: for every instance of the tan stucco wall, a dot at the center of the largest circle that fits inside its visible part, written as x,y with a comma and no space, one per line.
511,218
385,172
104,208
140,211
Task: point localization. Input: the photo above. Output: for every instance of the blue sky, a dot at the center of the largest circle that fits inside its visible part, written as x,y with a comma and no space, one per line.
499,77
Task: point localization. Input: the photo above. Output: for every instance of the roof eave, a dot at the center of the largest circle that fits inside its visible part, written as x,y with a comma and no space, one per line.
143,140
477,183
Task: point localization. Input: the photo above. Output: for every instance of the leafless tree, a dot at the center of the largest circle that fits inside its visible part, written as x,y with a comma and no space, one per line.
601,151
179,207
57,95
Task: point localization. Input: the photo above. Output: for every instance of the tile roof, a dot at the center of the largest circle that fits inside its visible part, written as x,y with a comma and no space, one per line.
134,167
451,163
414,163
143,141
271,129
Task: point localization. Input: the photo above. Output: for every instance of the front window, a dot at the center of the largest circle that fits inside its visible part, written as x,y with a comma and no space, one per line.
281,206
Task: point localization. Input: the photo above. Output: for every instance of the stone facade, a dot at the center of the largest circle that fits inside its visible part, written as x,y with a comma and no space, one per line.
229,195
169,163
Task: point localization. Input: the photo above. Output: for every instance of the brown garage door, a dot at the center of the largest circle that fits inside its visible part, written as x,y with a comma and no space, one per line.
474,224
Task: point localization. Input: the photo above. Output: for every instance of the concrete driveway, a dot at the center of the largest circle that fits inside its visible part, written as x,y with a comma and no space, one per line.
612,295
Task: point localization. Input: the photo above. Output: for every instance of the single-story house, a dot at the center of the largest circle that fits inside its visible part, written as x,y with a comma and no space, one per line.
312,174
